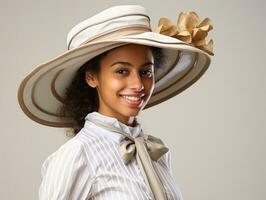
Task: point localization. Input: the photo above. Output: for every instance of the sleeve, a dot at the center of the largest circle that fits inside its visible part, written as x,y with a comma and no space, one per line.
66,175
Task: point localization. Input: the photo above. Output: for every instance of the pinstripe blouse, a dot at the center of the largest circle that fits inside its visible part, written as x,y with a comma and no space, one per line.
89,166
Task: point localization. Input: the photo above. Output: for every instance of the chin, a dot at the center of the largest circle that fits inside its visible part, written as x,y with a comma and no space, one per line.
133,112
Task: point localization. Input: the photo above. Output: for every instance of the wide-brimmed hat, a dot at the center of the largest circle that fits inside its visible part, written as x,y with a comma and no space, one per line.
186,56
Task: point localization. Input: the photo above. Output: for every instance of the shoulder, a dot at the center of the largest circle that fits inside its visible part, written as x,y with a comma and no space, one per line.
81,150
61,170
71,150
73,146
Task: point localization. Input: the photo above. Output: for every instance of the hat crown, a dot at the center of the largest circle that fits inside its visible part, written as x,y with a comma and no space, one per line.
110,20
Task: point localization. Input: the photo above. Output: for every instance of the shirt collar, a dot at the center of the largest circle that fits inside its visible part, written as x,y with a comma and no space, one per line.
132,131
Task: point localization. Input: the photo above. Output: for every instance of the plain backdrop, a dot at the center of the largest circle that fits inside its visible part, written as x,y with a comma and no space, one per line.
215,129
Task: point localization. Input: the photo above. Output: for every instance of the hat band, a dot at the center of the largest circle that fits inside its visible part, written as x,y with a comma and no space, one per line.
121,31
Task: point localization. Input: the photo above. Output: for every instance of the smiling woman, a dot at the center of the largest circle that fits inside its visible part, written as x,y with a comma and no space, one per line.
115,67
122,79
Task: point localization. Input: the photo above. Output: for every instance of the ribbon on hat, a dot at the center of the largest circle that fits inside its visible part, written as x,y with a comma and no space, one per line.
145,148
189,29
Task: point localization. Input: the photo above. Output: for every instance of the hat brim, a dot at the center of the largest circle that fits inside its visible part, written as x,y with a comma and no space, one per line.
41,93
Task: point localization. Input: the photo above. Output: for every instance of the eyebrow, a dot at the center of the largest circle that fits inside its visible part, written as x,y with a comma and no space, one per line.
127,63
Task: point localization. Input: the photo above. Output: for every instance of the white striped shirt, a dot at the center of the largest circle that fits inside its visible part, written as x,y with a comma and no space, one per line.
89,166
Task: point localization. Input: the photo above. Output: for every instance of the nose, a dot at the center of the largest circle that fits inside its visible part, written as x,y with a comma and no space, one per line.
135,82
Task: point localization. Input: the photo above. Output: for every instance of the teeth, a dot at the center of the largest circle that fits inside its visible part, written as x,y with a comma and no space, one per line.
132,98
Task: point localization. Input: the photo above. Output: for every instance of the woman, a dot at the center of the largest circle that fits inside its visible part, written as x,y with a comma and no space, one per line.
115,67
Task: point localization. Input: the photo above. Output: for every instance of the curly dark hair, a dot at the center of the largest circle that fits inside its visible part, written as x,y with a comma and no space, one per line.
81,99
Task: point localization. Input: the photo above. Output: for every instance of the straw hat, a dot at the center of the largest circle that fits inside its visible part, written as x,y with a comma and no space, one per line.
185,50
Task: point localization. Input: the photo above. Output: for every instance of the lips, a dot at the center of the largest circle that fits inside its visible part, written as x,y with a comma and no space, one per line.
133,100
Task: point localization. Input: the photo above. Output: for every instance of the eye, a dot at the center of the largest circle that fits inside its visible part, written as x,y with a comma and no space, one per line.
147,73
122,71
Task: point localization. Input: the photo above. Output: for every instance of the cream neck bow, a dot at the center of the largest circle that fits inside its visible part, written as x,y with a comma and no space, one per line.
145,148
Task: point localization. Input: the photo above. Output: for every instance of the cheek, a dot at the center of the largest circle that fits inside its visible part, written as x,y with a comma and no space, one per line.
113,84
149,84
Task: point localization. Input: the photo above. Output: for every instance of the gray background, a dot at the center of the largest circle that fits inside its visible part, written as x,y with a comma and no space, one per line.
215,129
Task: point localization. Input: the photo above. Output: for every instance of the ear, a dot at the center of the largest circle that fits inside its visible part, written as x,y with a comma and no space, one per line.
91,79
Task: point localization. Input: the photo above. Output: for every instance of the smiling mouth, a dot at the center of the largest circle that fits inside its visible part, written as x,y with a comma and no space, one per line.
133,100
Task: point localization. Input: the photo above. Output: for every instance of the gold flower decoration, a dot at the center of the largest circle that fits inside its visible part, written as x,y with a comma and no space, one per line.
190,29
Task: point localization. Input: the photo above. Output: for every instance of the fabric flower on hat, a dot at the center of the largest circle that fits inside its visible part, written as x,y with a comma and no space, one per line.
190,29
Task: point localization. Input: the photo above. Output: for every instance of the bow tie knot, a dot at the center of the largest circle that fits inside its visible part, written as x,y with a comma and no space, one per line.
154,146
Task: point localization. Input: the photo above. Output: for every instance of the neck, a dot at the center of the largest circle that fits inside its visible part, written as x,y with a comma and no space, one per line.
129,121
